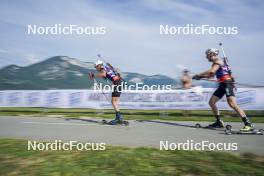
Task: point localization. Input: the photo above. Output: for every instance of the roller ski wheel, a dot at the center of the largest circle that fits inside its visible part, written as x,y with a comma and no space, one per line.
228,127
198,125
126,123
104,122
123,122
228,132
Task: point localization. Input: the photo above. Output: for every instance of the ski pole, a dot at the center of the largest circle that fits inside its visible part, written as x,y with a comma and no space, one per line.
225,58
222,48
97,85
91,77
241,84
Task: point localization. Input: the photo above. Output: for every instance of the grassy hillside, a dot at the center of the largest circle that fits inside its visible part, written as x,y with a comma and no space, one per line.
15,159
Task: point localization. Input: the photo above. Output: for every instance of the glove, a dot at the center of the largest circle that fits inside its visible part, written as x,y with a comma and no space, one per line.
196,77
91,75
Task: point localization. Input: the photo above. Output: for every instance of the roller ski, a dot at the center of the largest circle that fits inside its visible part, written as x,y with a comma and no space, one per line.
115,122
217,125
247,129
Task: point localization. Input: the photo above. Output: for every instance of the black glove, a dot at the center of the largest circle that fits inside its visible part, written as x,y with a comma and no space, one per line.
196,77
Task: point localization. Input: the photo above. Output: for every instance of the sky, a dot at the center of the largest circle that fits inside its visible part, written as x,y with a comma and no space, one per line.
132,41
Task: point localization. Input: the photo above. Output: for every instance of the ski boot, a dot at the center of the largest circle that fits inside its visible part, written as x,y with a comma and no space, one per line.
247,127
217,124
117,120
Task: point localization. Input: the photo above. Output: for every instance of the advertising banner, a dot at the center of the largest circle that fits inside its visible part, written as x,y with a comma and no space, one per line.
248,98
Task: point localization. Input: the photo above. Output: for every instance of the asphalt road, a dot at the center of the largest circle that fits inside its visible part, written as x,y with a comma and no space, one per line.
137,134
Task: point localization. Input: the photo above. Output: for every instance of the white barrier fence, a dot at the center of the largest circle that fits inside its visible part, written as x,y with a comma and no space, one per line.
248,98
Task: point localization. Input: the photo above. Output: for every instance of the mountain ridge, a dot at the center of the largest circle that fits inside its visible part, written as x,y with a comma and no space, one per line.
63,72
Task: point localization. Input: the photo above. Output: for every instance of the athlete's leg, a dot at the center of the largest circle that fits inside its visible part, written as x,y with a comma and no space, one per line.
218,94
230,96
118,118
115,101
212,103
233,104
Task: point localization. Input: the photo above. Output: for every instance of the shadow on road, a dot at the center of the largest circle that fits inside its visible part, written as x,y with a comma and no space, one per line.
83,120
178,124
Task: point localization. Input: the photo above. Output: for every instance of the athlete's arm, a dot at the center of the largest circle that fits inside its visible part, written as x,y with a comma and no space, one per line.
211,72
186,78
101,74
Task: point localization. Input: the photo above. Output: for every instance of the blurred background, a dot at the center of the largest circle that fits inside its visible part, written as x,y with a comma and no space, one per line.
40,74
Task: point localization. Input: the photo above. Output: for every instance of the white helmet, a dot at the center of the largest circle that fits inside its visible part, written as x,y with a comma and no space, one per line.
98,62
212,50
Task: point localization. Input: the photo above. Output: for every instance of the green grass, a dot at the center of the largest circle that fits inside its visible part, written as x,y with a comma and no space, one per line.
173,115
15,159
